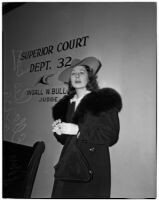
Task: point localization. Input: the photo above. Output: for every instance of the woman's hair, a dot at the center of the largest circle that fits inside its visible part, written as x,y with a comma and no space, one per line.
92,84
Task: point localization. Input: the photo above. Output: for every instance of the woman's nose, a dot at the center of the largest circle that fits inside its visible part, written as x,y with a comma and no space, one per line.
77,75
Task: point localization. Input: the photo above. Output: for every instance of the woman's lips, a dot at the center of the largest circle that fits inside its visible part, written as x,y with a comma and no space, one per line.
77,81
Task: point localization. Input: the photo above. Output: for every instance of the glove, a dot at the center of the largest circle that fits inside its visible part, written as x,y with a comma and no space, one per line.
68,128
55,127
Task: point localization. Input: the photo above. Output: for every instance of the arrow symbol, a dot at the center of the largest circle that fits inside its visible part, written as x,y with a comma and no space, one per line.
44,79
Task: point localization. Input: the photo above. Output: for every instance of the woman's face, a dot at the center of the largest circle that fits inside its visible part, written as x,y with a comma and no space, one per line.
79,77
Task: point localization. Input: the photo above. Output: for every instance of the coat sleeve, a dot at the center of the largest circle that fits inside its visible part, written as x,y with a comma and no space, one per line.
109,127
101,129
61,138
59,112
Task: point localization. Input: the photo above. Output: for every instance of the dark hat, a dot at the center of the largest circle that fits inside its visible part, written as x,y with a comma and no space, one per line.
91,62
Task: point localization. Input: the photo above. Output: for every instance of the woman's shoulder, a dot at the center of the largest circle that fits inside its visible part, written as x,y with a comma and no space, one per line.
60,108
64,100
107,90
110,96
103,100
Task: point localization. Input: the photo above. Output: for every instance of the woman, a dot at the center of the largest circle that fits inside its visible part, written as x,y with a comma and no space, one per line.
86,123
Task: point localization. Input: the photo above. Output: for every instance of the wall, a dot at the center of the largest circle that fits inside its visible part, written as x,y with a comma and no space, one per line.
123,37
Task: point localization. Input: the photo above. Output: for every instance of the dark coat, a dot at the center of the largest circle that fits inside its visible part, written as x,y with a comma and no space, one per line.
97,118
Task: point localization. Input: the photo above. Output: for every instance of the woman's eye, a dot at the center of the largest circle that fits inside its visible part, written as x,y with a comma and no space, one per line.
73,74
81,72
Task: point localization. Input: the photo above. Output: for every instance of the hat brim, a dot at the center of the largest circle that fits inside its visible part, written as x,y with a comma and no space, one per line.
91,62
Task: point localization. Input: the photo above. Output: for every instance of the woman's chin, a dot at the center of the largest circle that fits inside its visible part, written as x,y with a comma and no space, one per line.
78,86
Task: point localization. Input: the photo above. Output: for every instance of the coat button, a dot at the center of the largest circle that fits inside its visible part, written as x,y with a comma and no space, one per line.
92,149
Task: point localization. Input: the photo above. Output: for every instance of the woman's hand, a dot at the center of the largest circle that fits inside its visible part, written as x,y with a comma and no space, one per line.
55,127
68,128
64,128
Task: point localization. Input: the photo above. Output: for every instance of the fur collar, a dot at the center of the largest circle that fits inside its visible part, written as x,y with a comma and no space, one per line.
95,102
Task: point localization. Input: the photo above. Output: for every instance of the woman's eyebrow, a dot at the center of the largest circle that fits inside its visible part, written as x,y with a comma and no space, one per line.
81,70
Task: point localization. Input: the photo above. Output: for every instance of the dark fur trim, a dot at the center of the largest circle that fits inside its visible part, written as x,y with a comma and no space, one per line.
102,100
97,102
60,109
94,102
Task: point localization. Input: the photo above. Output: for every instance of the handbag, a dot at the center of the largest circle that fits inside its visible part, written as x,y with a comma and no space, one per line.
73,165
